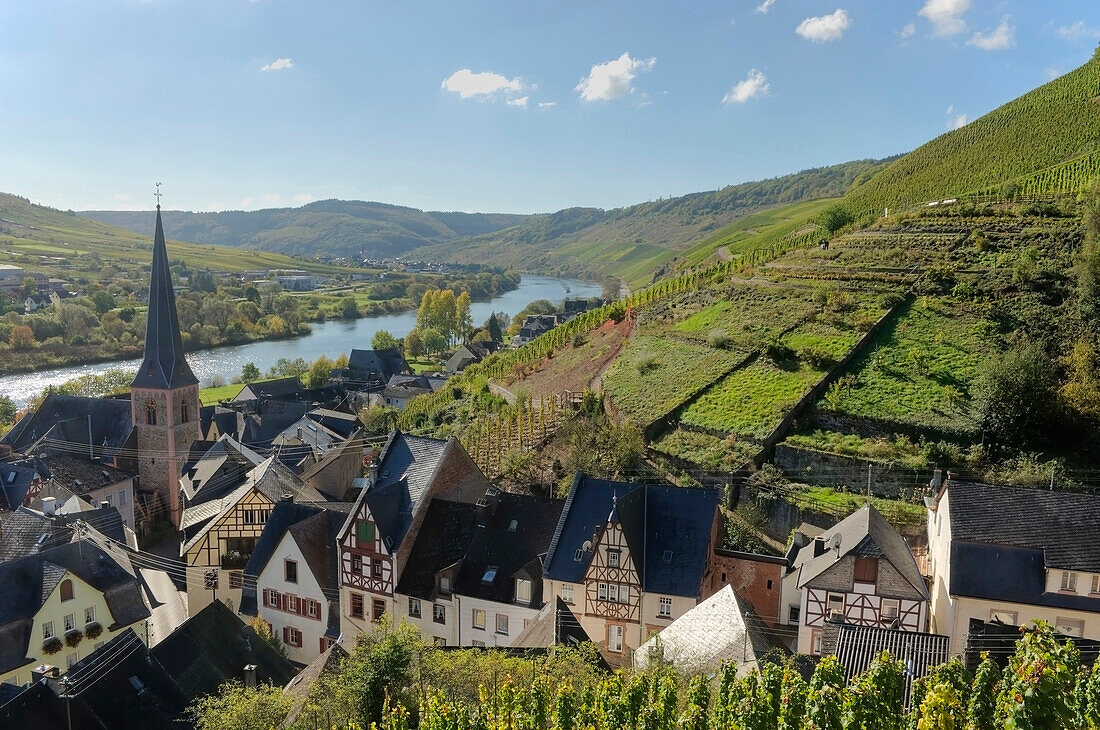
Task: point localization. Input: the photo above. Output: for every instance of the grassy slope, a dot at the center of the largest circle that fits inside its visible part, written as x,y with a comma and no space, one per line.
29,231
1050,125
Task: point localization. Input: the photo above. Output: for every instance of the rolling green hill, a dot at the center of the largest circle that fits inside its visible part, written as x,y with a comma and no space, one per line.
1047,140
334,227
633,242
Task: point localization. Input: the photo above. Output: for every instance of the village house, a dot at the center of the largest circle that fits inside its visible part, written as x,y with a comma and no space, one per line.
378,536
1013,555
94,482
860,571
292,578
631,558
468,354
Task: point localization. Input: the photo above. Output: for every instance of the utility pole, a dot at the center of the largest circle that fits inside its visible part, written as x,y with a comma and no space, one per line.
68,699
868,483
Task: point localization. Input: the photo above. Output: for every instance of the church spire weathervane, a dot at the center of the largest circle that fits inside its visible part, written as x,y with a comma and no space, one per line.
157,195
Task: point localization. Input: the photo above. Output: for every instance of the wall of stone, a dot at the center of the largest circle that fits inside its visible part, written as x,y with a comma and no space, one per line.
887,480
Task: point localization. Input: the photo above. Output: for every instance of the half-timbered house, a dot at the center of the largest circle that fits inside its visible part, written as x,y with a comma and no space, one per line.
630,558
861,572
378,536
219,535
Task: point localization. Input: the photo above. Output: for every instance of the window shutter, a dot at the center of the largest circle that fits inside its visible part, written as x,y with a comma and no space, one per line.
286,635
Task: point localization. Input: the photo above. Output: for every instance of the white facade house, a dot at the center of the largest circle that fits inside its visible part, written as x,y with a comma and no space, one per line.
1013,555
292,601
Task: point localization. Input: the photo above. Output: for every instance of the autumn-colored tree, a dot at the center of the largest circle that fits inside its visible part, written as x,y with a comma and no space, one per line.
21,337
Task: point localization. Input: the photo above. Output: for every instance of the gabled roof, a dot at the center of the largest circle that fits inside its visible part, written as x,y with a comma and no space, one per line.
512,535
314,528
278,388
212,647
376,364
328,662
864,533
858,646
344,424
164,364
667,528
62,420
441,542
722,628
215,469
405,470
79,474
555,623
15,482
1064,526
26,532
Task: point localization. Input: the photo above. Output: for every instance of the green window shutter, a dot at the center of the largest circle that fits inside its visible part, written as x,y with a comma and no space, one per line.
366,532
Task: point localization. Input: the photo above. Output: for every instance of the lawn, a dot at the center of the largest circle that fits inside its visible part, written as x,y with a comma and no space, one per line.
750,314
653,375
751,401
210,396
705,450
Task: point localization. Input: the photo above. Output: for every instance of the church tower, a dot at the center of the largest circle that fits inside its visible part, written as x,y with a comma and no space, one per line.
164,397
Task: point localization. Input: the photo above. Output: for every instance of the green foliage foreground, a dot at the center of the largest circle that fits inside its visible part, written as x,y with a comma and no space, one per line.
393,682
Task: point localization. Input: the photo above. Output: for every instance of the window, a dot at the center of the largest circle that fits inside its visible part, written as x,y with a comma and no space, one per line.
1095,584
364,531
89,614
290,571
615,638
357,564
794,614
439,614
613,558
502,624
490,574
664,608
236,579
122,499
836,605
769,584
150,412
523,590
376,568
313,608
1069,627
357,605
70,621
439,641
66,590
567,593
1069,581
378,609
866,570
414,607
185,415
815,642
613,593
47,630
292,603
477,620
1009,618
477,644
109,500
292,636
601,591
889,609
444,584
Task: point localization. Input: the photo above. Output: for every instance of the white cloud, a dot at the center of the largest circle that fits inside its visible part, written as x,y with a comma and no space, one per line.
1077,31
612,79
1000,38
521,102
1051,72
484,84
946,15
752,86
954,121
765,6
908,29
279,64
825,28
950,109
547,104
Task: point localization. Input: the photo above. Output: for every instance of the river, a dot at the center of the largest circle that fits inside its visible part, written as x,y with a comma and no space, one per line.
331,338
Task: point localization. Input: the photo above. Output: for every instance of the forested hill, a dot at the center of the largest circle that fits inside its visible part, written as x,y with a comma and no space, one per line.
1046,141
631,242
335,227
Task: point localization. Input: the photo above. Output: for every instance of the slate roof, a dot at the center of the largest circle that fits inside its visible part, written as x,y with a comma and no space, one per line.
328,662
344,424
856,647
15,482
722,628
213,647
26,532
555,623
28,582
64,419
512,535
1008,573
164,364
79,475
278,388
863,533
404,392
667,528
1064,526
215,469
377,365
468,354
441,542
405,470
314,527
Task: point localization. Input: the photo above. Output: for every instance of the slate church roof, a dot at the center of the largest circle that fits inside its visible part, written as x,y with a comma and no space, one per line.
667,528
164,365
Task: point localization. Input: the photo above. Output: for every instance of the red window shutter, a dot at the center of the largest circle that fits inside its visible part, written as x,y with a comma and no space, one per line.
286,635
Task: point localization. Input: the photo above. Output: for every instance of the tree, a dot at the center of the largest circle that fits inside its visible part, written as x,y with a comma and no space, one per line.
30,286
318,373
492,325
252,294
383,340
8,411
1015,395
464,321
1037,690
250,373
21,337
379,667
434,341
349,309
835,217
103,300
414,343
236,707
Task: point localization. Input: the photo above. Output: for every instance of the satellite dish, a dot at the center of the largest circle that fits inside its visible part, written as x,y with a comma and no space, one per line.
836,542
587,546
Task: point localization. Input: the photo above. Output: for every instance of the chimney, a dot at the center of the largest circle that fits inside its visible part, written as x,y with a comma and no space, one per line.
44,671
288,497
49,506
374,472
250,676
104,504
937,480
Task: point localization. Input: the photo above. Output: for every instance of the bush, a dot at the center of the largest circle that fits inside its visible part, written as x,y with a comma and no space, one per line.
816,357
719,339
1015,395
645,363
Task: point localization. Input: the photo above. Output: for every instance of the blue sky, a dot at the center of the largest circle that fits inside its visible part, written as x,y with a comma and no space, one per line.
509,106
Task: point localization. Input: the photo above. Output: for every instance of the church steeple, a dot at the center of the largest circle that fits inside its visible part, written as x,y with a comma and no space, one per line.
164,365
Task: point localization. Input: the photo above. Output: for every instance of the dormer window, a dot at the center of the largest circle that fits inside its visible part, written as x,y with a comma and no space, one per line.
523,590
1069,581
444,584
